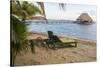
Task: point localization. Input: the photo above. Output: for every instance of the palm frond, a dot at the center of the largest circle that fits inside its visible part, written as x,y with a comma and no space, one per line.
24,9
62,6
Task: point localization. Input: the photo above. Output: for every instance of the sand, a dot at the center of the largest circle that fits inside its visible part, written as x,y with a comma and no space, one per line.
84,52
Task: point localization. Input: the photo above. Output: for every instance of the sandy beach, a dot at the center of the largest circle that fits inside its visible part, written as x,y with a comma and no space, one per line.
84,52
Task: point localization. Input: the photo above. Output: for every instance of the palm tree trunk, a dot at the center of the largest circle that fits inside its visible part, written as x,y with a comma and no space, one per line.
41,4
14,54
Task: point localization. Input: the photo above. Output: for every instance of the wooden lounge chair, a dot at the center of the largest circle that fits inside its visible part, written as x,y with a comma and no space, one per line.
54,42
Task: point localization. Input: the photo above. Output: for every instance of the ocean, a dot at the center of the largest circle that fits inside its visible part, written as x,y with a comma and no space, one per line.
64,28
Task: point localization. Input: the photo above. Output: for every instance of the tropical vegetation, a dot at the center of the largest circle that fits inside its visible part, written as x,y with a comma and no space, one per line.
20,11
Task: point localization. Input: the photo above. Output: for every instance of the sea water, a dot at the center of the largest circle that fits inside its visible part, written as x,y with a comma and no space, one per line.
64,28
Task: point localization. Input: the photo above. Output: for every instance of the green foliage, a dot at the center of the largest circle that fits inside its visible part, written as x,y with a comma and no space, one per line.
21,10
18,37
18,27
18,34
24,9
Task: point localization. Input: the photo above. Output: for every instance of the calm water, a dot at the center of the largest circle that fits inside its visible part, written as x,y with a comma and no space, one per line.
65,29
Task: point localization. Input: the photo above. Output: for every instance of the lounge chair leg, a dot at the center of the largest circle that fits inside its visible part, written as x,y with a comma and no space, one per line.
75,44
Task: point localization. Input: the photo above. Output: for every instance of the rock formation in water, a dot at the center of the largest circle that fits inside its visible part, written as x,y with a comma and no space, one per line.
84,18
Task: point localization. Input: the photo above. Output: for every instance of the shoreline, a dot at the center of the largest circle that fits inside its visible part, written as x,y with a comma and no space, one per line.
71,37
34,35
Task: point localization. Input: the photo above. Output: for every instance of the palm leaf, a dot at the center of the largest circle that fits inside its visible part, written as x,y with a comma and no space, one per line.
62,6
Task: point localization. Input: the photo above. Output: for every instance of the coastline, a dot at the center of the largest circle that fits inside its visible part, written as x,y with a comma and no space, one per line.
34,35
71,37
84,52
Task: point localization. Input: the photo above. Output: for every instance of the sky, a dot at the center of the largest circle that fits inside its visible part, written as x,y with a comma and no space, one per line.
71,12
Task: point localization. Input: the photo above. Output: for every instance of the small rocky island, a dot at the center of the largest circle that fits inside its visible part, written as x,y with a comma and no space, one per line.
84,18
